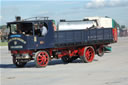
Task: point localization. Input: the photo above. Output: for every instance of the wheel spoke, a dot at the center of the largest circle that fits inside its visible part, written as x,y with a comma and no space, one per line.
41,62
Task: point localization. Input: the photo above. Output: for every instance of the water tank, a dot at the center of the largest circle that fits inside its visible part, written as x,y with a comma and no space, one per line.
75,25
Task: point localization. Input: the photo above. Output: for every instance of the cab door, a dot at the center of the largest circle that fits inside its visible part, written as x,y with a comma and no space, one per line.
47,41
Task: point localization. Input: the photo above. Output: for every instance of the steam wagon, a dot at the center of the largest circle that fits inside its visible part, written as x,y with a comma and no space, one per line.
73,39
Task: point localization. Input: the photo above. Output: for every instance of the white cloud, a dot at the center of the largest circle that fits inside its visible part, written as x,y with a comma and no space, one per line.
106,3
95,4
114,2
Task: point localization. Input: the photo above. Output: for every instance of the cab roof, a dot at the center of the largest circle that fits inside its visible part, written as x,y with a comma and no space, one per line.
29,21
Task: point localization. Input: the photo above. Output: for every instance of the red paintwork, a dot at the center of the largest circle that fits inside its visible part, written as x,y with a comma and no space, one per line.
71,51
42,58
89,54
50,51
14,52
22,52
114,31
101,49
81,51
65,51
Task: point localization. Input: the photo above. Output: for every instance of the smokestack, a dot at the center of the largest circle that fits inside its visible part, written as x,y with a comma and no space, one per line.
18,18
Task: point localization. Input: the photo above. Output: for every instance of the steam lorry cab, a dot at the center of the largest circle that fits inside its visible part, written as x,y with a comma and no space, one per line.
72,40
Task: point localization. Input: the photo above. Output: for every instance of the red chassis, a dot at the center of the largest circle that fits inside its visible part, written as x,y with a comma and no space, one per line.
42,57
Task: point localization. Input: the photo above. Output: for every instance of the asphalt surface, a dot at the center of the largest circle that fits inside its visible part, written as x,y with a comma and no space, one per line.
111,69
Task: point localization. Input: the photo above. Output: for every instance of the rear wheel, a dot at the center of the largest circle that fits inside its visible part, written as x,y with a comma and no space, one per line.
18,63
88,55
42,59
100,51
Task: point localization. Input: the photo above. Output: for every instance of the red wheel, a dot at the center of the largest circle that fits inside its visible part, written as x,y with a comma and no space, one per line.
88,55
42,59
100,51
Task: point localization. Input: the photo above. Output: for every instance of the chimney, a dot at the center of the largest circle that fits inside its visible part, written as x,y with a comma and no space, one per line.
18,18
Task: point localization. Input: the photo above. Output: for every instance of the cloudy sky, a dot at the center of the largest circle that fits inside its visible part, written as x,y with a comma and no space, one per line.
64,9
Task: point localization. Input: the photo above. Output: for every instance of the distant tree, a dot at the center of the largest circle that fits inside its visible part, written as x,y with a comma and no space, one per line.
2,26
3,33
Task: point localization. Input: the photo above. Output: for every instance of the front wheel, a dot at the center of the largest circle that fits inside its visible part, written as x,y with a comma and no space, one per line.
18,63
88,54
42,58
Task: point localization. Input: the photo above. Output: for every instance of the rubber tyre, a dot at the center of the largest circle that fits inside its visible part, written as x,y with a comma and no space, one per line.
100,51
88,55
18,63
42,59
